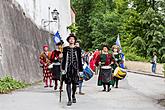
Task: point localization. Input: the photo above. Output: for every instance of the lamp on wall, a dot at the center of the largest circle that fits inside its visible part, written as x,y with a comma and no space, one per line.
45,23
55,14
55,17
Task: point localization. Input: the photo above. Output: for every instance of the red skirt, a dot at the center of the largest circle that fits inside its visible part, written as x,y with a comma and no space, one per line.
92,64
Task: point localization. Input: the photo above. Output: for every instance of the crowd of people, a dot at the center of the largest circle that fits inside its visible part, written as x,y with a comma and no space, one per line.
65,64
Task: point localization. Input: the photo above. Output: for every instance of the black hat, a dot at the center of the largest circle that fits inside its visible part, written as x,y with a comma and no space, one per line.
60,43
105,45
71,35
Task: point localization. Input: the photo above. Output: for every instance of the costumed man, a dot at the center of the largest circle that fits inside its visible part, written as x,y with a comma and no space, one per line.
72,65
117,60
45,61
105,74
56,59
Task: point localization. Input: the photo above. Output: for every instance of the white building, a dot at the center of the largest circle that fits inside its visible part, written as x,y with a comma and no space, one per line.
40,10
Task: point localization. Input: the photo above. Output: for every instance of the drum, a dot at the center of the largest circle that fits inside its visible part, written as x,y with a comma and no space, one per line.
120,73
87,72
106,67
106,74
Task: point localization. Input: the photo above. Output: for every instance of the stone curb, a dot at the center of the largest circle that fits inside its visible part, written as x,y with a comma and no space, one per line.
146,73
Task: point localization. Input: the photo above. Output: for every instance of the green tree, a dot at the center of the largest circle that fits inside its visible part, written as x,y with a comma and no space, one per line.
140,24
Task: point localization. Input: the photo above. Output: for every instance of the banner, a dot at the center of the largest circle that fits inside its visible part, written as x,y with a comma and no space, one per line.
57,38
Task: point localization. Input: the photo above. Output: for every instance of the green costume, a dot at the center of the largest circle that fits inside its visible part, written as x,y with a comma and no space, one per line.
116,59
105,75
116,62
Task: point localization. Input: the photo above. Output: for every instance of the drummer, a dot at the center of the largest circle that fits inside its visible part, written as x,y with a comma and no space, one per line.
105,74
116,62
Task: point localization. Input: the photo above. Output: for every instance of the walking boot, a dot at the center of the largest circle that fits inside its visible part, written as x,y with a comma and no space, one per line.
50,86
109,89
55,87
104,86
69,103
74,100
117,81
45,86
81,93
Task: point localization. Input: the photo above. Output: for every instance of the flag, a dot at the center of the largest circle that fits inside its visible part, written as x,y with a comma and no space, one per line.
57,38
118,41
122,54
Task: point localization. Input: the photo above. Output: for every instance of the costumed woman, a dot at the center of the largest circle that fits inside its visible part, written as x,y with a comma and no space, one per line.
72,65
117,60
45,61
105,74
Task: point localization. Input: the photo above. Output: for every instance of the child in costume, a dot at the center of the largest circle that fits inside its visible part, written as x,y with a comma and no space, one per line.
45,61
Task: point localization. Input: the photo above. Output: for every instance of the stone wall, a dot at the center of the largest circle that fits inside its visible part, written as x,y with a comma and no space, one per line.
21,42
142,66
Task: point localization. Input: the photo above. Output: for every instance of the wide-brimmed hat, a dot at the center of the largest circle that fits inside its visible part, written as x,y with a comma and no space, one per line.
71,35
105,45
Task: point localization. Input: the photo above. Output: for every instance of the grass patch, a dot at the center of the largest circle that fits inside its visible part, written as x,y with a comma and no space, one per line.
8,84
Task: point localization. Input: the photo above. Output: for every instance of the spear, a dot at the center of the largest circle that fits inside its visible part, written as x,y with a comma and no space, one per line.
61,81
60,87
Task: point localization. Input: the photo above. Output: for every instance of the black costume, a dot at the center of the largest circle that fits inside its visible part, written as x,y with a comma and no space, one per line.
72,65
56,67
56,70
